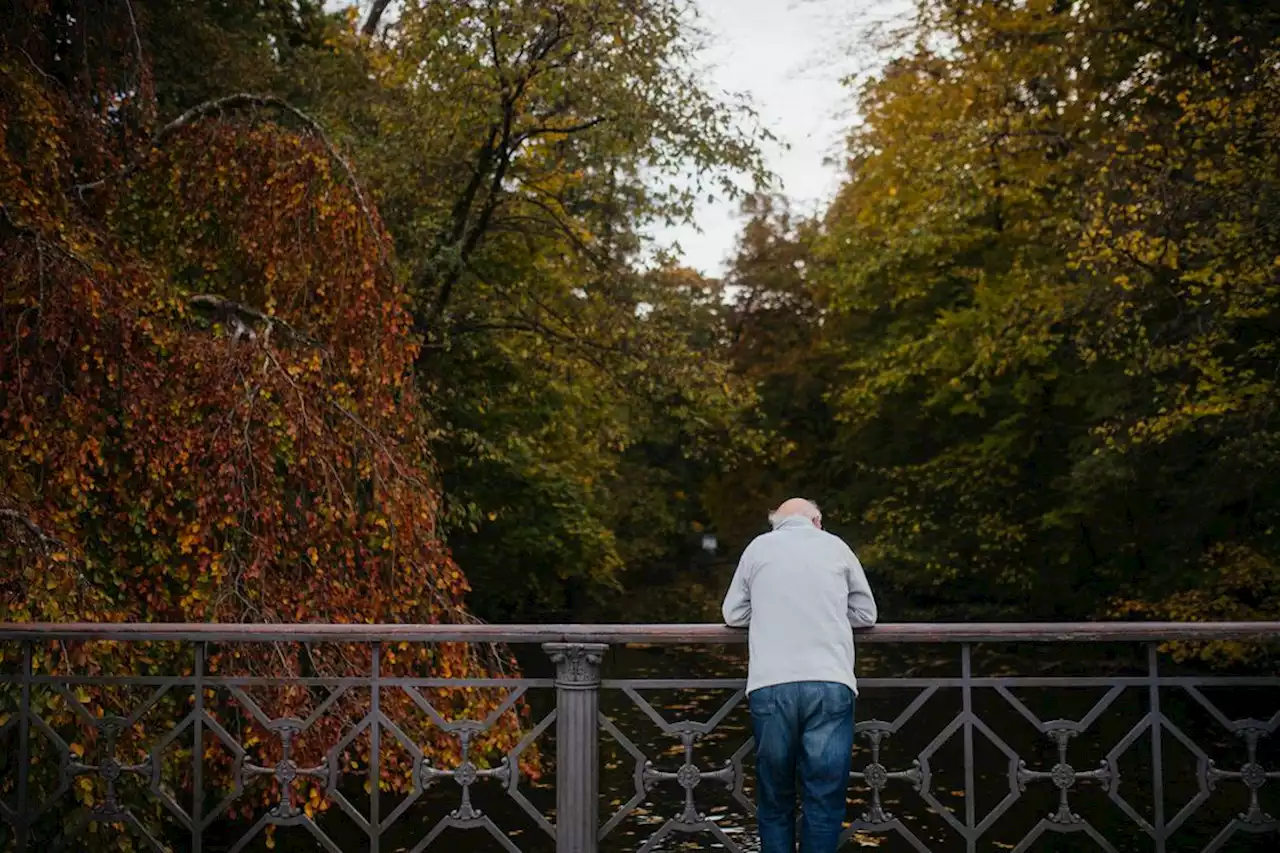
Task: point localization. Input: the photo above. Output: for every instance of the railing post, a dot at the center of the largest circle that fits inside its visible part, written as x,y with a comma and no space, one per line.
970,790
1157,747
197,752
23,829
375,749
577,744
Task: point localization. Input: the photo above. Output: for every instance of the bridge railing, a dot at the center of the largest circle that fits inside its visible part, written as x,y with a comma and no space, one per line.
953,751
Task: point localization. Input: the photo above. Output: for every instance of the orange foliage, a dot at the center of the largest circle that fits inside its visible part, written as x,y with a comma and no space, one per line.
207,409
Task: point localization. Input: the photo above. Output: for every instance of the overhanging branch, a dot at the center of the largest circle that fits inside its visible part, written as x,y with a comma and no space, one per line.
241,317
47,542
239,101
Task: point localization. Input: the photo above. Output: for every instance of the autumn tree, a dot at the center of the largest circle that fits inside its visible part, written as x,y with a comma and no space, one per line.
515,153
209,410
1051,282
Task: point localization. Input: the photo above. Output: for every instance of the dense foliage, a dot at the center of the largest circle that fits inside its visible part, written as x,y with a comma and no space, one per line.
513,353
1039,380
515,153
209,404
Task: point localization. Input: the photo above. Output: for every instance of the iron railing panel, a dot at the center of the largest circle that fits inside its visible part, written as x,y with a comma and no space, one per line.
977,729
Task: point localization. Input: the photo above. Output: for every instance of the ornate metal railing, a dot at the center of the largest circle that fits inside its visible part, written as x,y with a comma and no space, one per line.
953,753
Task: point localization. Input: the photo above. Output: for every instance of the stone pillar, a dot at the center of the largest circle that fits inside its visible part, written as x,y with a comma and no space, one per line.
577,744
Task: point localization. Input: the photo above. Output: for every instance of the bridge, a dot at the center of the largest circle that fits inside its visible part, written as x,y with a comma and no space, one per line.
969,737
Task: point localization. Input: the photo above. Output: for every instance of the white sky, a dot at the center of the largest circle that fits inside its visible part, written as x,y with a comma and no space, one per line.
790,57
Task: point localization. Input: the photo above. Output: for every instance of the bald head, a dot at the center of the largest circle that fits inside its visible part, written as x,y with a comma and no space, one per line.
796,508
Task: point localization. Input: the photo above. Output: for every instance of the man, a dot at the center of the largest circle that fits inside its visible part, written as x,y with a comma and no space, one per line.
800,590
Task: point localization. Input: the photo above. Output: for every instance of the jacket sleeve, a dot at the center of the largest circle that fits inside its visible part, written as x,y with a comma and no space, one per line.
737,601
862,604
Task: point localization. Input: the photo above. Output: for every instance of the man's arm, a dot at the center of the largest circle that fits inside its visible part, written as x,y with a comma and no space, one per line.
862,604
737,601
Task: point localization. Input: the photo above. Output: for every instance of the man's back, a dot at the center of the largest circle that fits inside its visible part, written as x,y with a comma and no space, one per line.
800,590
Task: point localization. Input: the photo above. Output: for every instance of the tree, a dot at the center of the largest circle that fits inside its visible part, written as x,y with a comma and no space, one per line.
1045,403
209,406
1183,228
517,151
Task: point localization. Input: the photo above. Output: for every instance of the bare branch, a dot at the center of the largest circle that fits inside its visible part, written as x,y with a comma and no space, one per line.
370,27
242,317
46,542
137,40
494,158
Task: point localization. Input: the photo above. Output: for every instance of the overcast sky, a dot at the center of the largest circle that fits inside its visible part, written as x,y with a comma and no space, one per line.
789,56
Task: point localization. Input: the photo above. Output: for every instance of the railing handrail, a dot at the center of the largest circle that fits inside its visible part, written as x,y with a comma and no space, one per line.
648,634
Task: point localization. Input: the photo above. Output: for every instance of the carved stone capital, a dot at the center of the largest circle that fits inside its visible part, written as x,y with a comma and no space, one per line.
577,664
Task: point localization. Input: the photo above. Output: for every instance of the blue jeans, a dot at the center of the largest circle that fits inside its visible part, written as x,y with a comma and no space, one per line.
804,731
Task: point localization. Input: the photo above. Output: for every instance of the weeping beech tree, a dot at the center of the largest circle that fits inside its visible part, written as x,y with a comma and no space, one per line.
207,410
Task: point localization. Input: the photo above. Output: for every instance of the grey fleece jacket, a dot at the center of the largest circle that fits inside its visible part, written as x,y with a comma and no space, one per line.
799,590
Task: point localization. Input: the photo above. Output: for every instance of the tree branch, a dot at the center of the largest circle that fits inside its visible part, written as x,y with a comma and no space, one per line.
495,156
42,243
567,130
370,27
238,313
599,260
137,40
47,542
238,101
467,238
